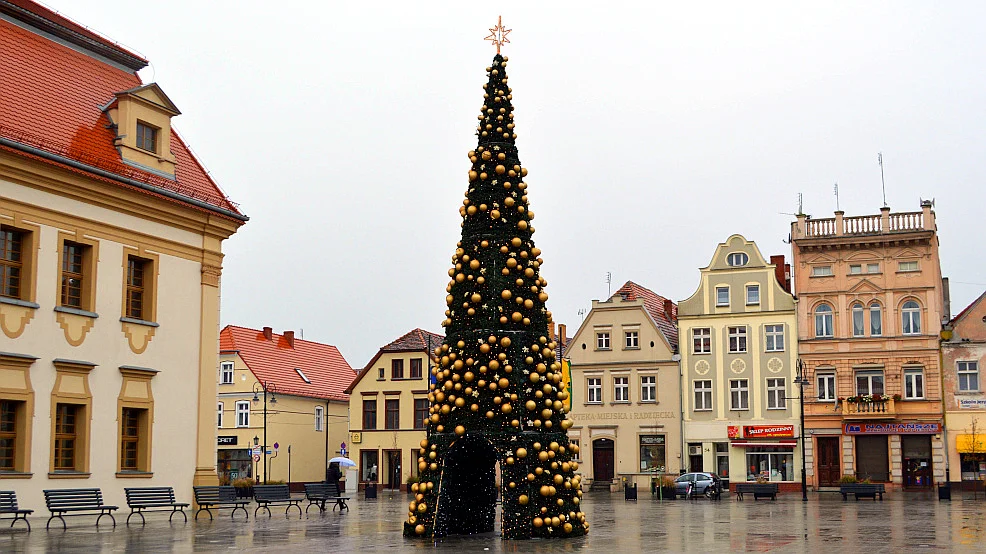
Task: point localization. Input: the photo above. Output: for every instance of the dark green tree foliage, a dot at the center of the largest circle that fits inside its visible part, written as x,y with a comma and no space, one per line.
497,394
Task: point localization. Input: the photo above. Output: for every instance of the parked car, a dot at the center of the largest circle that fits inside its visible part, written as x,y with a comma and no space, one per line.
700,482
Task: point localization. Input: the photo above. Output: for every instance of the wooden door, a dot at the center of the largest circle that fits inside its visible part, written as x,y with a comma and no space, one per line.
827,463
602,460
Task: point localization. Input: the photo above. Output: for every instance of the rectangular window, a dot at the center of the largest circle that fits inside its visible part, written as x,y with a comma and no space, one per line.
703,395
770,463
621,389
776,394
602,341
913,384
219,414
702,341
396,369
857,320
369,414
421,407
594,388
652,453
226,373
65,436
415,368
722,296
8,435
869,382
873,268
380,374
11,262
137,293
826,387
737,339
243,414
876,320
648,388
821,271
739,394
368,464
319,418
752,294
146,137
907,266
774,335
130,439
73,274
855,269
393,414
968,373
632,339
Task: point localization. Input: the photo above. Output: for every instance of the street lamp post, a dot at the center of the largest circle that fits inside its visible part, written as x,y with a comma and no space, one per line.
267,388
802,381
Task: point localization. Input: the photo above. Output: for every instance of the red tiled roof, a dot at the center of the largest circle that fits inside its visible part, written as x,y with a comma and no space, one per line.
654,303
416,340
275,361
51,99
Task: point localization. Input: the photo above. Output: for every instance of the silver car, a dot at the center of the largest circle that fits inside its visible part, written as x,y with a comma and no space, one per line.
699,481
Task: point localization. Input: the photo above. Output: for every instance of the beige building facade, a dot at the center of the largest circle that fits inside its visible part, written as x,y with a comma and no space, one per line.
389,409
109,273
963,359
625,395
282,392
740,407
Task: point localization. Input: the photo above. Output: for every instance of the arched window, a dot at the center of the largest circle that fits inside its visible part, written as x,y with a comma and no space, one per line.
737,259
858,329
911,318
823,321
876,320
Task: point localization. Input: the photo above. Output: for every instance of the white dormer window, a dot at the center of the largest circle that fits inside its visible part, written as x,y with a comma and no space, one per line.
737,259
303,376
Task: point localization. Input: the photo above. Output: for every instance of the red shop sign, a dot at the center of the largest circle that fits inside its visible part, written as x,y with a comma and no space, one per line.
768,431
732,431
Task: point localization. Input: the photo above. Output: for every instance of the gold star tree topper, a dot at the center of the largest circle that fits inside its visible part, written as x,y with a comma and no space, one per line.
498,35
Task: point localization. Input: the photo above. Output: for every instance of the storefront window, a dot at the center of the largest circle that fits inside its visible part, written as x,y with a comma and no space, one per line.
973,466
773,463
233,465
652,453
368,465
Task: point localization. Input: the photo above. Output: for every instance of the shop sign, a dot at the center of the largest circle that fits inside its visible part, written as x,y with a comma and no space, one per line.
226,440
768,431
891,428
651,439
732,431
972,404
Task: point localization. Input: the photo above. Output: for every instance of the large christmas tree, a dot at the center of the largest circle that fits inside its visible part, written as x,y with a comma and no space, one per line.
496,393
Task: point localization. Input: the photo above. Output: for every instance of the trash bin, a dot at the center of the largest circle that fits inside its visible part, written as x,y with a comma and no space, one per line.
370,491
630,491
945,491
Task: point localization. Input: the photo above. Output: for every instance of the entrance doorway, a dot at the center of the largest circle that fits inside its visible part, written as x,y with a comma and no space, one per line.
916,450
827,461
695,457
602,460
393,479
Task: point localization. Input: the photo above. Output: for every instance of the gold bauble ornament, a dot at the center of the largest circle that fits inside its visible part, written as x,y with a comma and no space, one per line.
500,169
538,522
422,508
420,530
521,452
545,490
523,500
460,430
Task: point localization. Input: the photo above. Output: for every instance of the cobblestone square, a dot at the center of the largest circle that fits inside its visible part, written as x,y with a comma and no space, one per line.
903,522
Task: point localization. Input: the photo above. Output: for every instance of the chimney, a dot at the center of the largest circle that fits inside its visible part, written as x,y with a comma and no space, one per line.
269,333
562,330
289,336
669,309
782,271
551,331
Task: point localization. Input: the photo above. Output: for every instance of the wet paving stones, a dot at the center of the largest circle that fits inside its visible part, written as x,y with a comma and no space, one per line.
903,522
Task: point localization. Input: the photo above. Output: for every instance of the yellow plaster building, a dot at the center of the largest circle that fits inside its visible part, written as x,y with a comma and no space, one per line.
739,366
389,405
110,261
282,392
625,399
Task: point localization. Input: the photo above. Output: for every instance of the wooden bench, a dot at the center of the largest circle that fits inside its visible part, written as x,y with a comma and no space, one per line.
153,499
265,495
62,501
208,497
862,490
758,490
8,505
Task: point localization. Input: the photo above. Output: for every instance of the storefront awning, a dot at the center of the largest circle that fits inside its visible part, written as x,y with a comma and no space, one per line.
763,443
965,445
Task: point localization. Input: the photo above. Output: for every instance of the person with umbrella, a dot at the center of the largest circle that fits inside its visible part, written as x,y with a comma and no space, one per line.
333,473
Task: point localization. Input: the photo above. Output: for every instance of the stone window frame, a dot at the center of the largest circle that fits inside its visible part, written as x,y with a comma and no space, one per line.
151,263
90,259
134,379
72,387
14,368
30,247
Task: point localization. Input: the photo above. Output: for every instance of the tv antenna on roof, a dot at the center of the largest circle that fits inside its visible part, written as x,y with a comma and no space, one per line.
609,284
883,182
801,201
836,189
582,313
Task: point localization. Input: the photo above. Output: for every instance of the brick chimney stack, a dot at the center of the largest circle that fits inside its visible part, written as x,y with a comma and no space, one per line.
782,271
289,336
269,333
669,309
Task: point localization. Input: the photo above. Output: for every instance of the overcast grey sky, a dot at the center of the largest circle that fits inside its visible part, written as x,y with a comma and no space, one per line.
652,132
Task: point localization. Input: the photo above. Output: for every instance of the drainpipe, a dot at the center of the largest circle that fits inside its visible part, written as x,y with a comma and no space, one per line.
676,357
944,336
325,425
